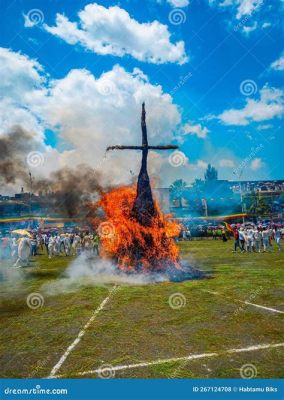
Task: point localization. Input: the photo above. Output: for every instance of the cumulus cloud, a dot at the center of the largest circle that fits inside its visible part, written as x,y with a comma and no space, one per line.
227,163
19,74
110,115
278,65
256,164
112,31
111,112
197,129
270,105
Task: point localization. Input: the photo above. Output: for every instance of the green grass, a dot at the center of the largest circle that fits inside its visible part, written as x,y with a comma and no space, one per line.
139,325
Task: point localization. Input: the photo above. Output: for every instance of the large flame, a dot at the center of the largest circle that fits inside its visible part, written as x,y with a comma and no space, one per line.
136,247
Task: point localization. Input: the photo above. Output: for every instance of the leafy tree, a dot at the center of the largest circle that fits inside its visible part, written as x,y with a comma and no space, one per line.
211,174
258,205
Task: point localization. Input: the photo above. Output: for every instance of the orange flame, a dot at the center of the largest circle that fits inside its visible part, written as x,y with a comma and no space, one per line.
132,245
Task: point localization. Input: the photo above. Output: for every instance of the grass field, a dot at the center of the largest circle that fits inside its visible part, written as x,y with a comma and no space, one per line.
136,324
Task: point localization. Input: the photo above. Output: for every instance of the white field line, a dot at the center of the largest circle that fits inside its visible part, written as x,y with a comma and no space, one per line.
244,302
81,334
177,359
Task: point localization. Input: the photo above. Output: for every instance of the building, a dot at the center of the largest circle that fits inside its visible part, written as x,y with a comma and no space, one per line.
223,197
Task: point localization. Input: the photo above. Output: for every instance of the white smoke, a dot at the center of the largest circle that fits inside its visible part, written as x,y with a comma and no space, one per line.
84,272
11,280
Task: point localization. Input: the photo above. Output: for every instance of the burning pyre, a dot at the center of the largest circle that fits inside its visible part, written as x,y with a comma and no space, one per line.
136,234
135,246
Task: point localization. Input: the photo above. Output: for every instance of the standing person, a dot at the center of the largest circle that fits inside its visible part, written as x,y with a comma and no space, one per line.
51,247
38,243
188,234
76,244
96,243
87,244
277,238
14,248
237,241
265,239
34,246
24,251
46,240
250,241
214,234
242,239
257,240
271,236
224,236
67,244
57,244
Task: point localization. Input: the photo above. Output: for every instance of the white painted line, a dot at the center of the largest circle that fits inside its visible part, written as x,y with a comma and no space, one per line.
177,359
81,334
244,302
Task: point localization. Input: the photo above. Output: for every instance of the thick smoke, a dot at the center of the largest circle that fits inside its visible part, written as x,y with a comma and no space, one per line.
84,271
71,190
67,191
13,148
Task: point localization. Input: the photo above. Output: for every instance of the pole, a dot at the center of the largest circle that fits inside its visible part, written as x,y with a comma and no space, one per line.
31,192
241,193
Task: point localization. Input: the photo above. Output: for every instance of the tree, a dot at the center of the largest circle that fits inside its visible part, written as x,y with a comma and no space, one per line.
259,205
211,174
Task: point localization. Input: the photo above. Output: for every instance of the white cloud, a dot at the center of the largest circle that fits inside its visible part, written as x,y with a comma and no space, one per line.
266,25
264,127
112,31
197,130
201,164
28,23
248,29
90,113
278,65
247,7
241,8
227,163
178,3
269,106
256,164
18,74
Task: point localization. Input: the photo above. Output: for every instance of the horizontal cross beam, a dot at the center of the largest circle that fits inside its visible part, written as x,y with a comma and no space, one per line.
119,147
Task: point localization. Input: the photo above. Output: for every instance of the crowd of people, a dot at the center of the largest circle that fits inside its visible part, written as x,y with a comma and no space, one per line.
20,249
247,237
257,238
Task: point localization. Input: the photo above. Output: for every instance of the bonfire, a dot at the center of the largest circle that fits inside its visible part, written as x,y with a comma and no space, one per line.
135,233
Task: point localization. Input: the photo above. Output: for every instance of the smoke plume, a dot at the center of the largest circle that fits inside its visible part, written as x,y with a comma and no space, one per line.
13,148
67,190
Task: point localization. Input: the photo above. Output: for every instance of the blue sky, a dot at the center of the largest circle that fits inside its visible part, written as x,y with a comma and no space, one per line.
218,65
